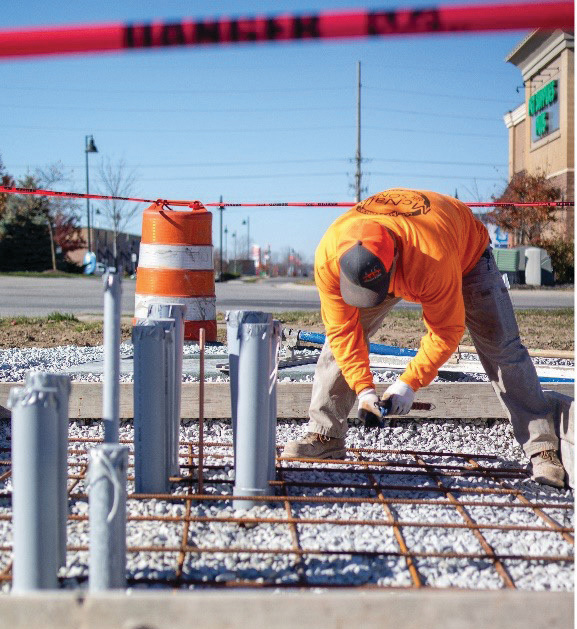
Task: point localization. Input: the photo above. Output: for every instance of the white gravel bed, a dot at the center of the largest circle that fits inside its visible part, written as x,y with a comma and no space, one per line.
475,437
547,576
477,574
16,362
5,534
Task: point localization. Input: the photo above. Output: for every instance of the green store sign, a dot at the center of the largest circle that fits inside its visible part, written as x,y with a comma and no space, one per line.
544,110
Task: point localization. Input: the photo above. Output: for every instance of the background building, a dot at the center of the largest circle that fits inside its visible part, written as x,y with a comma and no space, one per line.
542,128
103,246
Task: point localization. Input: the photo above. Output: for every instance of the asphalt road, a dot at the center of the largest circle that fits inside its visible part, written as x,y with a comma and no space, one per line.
32,296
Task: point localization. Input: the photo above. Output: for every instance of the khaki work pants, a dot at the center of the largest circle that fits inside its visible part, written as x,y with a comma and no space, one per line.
490,319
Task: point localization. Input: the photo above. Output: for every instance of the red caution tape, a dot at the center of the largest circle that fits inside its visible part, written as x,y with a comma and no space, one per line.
324,25
352,203
197,205
80,195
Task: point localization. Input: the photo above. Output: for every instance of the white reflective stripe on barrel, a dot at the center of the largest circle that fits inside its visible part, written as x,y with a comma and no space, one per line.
189,257
197,308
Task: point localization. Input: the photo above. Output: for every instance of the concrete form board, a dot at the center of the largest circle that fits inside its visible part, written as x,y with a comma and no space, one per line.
324,610
450,400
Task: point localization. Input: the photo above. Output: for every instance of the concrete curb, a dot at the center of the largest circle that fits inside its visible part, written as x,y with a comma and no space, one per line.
423,609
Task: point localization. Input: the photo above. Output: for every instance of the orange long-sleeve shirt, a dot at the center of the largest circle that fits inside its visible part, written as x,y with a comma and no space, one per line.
439,240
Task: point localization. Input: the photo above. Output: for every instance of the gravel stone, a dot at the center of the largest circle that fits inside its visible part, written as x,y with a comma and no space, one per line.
491,442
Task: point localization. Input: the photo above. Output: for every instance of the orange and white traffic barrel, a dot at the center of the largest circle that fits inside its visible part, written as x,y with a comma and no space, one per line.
175,266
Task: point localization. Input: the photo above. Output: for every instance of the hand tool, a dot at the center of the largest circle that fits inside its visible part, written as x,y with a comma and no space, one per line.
371,420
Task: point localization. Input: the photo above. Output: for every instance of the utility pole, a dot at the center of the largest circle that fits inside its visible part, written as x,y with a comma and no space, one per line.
247,223
221,208
358,175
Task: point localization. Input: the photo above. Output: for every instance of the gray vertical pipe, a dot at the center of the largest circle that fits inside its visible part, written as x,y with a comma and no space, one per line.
107,514
111,334
60,382
151,465
234,320
172,318
35,497
252,458
274,348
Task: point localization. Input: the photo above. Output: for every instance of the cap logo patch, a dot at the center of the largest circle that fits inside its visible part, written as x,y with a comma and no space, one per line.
371,275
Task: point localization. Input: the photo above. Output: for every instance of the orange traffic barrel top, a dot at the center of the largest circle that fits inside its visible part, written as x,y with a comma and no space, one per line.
175,266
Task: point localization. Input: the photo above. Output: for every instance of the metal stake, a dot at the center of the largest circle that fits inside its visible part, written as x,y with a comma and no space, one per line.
60,382
35,499
171,317
234,319
107,512
274,353
252,460
111,333
151,465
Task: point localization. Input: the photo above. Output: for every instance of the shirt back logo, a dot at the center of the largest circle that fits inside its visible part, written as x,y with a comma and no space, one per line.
395,202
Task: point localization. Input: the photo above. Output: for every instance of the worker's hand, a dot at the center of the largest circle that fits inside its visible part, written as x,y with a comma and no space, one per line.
401,396
368,404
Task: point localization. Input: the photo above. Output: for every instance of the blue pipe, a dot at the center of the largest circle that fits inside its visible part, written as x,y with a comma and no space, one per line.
374,348
391,350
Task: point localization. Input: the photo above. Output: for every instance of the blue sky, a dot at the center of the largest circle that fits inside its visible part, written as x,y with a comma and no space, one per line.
263,122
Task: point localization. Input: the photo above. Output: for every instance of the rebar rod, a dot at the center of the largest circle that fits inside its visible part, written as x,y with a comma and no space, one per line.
411,566
187,520
201,337
346,552
537,510
489,550
293,529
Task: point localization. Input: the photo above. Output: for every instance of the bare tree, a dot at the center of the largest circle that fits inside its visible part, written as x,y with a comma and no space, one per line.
118,180
61,213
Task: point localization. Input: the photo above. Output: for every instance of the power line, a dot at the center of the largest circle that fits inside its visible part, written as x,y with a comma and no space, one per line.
141,131
425,131
431,114
455,97
280,90
143,110
172,166
284,175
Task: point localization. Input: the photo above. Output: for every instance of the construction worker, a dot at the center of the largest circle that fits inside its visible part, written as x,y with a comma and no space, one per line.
426,248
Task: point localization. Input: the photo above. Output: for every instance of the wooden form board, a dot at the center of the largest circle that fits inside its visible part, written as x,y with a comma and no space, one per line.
450,400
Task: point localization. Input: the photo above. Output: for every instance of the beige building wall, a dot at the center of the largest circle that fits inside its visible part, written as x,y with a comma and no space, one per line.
543,57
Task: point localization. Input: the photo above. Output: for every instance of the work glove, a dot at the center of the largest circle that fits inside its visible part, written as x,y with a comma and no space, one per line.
369,405
401,396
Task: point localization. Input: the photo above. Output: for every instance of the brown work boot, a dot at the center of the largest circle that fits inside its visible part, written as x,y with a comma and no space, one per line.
315,446
547,469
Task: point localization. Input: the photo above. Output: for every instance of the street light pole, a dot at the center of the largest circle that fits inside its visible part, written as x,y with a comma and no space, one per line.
247,223
89,147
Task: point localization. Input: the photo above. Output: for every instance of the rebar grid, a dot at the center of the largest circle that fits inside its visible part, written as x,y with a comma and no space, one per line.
369,470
